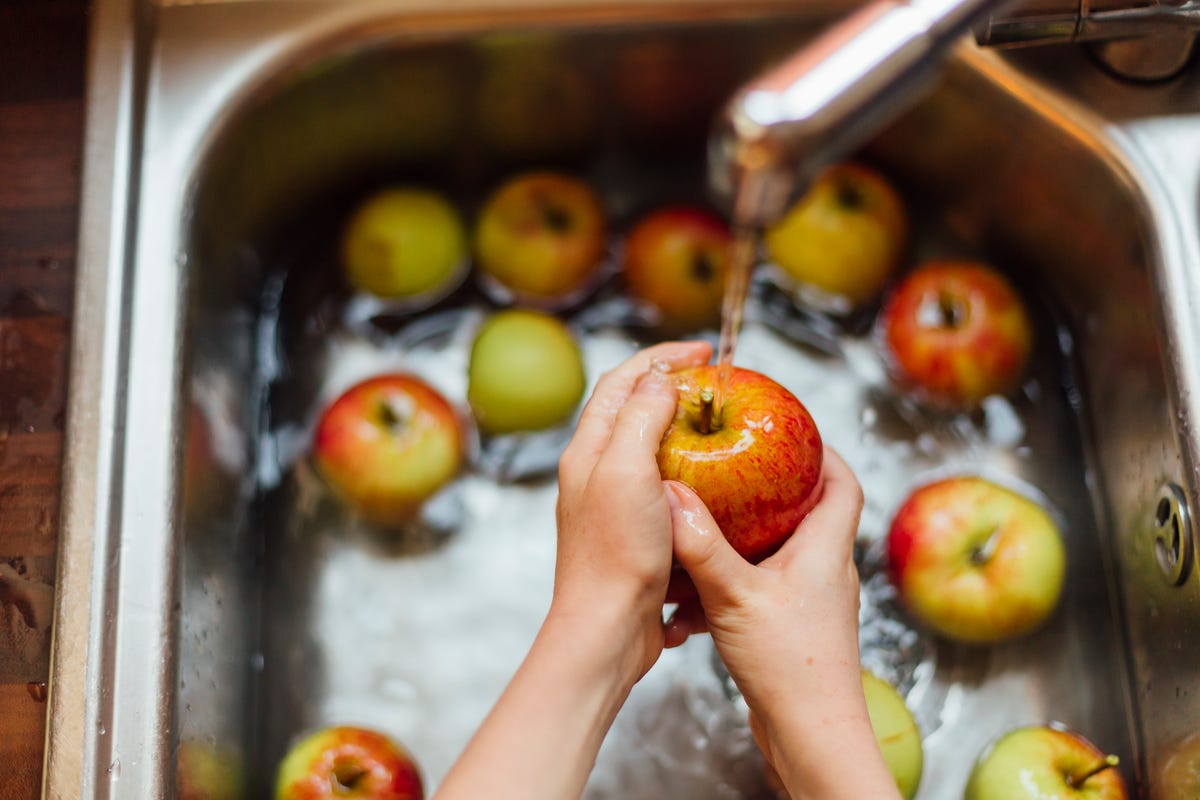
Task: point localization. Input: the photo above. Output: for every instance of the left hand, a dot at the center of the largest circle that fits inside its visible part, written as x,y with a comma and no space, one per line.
614,520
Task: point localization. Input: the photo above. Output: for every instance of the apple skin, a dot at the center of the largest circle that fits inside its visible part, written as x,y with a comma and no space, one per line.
387,444
896,732
956,332
384,769
975,561
845,236
525,373
676,260
204,772
405,243
758,469
1036,762
1179,778
541,236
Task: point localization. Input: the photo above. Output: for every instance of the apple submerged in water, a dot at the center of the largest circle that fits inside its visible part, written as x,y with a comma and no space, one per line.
956,332
1039,762
348,762
387,444
755,461
976,561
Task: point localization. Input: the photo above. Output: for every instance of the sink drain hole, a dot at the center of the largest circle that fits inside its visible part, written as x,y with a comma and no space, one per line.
1173,547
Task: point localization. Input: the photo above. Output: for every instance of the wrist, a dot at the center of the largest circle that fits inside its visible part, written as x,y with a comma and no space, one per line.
607,633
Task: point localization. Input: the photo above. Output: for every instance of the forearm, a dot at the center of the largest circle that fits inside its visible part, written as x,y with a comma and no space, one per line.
827,751
541,739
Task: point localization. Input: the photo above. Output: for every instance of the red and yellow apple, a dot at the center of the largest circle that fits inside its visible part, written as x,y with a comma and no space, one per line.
956,332
541,238
676,260
845,236
975,561
387,444
406,244
348,762
525,373
1040,762
750,450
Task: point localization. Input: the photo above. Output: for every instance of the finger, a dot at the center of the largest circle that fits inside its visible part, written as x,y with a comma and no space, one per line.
716,569
612,390
633,444
688,620
832,525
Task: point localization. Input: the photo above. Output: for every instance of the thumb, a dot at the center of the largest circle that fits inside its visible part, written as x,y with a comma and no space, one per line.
716,569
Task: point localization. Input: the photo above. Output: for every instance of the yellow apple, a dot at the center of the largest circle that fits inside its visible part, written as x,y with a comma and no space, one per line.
845,236
406,244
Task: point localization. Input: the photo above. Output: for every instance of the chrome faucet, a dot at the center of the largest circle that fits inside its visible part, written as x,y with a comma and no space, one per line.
785,125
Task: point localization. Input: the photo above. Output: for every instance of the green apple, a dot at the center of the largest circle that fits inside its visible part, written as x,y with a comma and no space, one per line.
1040,762
388,444
351,763
897,733
541,237
976,561
845,236
525,373
405,244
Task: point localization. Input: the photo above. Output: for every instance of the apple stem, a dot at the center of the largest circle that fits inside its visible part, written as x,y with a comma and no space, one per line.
1077,780
984,552
707,402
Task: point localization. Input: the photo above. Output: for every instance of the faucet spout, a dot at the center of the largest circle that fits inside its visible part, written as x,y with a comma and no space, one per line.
828,98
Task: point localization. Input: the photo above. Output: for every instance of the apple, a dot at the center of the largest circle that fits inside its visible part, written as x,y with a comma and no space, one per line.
525,373
975,561
896,733
348,762
1179,777
387,444
845,236
667,91
1038,762
955,332
541,238
533,104
675,262
204,772
751,451
404,243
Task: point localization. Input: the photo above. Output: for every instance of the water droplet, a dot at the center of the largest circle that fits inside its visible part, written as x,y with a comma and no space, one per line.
37,690
114,769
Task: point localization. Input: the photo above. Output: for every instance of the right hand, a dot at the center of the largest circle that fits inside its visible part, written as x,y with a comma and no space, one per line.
787,630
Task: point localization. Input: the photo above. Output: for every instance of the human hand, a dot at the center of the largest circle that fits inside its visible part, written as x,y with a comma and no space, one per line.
787,630
614,520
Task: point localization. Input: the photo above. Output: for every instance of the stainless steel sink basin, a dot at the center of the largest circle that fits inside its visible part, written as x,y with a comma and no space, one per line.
211,595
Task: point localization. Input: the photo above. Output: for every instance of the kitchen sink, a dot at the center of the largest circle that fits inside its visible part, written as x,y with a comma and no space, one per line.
214,602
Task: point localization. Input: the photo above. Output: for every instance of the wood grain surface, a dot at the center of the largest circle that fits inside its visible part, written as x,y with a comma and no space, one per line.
42,53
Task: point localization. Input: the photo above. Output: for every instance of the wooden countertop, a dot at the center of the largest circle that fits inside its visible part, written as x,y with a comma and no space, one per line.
42,54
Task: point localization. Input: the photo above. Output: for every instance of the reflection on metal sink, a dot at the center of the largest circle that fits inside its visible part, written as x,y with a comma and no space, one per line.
210,594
